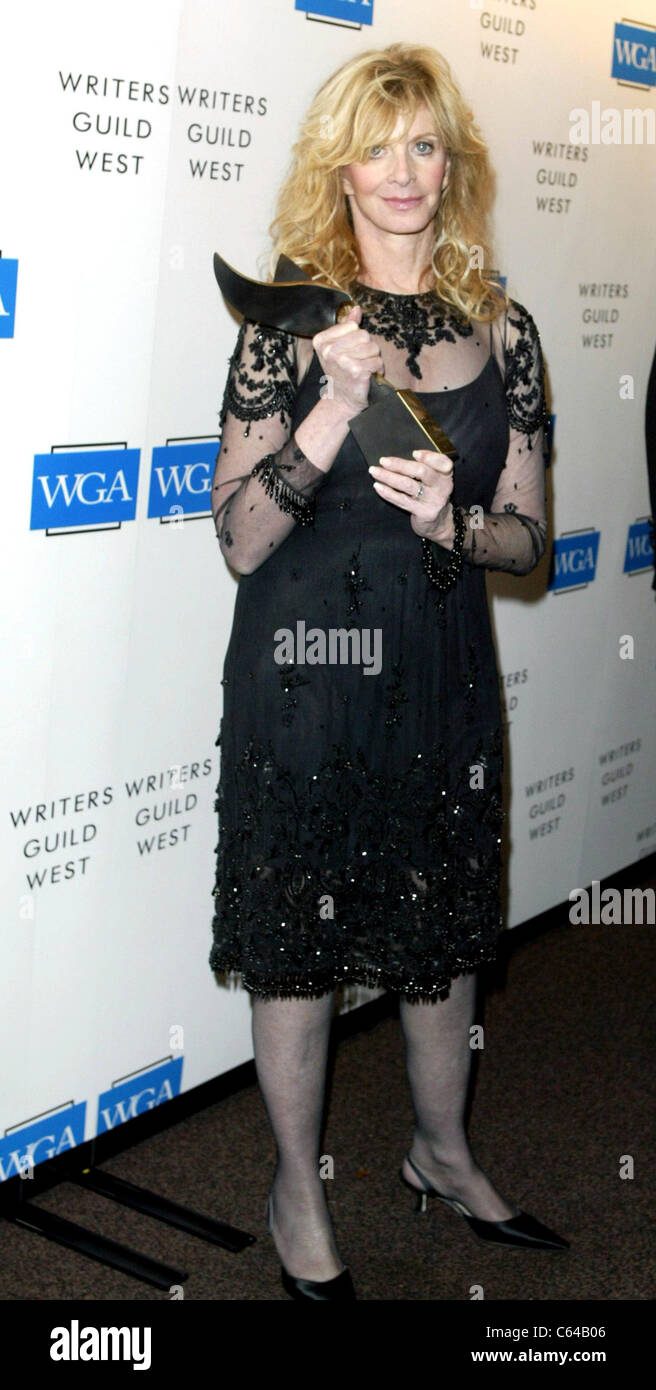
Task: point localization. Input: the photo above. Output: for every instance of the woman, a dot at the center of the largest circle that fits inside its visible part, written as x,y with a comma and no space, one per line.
359,800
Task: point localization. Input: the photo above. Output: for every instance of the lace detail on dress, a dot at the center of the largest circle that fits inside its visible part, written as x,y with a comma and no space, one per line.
525,394
411,322
304,903
269,470
444,572
512,535
265,505
501,545
266,385
263,482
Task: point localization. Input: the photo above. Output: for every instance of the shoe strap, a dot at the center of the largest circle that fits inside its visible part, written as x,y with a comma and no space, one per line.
427,1186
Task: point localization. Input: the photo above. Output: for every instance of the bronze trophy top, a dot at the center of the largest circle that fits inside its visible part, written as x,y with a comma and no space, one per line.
295,303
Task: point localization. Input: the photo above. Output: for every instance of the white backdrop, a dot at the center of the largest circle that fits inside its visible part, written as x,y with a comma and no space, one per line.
138,138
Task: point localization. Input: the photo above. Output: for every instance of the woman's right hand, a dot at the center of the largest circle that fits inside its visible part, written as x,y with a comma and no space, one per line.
349,357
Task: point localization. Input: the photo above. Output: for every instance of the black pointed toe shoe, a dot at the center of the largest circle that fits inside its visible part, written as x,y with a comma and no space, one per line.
337,1290
519,1231
340,1289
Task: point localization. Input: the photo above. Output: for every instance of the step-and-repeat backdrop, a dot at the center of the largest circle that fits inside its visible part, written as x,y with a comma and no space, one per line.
138,137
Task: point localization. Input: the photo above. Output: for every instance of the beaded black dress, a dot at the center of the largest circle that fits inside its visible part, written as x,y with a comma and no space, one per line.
359,799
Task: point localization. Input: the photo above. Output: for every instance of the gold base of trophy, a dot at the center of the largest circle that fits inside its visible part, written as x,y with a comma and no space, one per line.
396,422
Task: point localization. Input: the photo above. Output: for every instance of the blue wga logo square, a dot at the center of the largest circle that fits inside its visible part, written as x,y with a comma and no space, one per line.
42,1139
139,1094
181,478
634,55
574,560
84,487
354,11
8,280
639,554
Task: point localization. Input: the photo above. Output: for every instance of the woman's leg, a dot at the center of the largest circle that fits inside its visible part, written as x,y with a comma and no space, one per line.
438,1057
291,1038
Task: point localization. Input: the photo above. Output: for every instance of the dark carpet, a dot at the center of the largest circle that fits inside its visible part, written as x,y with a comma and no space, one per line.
562,1096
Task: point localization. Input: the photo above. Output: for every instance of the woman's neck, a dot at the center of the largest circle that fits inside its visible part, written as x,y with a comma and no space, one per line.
391,280
403,267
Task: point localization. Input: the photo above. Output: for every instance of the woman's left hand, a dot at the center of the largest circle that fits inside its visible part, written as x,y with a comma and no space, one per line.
398,480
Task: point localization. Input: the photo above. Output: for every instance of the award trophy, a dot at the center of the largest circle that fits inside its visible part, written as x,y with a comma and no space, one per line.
395,421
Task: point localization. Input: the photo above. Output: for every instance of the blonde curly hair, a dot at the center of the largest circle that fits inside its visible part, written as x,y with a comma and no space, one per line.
356,108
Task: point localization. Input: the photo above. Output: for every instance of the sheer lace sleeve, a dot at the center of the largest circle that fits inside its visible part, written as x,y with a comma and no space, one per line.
263,484
512,535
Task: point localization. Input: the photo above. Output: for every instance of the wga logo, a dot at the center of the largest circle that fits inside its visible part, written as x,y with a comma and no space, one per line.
639,554
84,487
181,478
139,1093
45,1138
574,561
634,55
351,12
8,279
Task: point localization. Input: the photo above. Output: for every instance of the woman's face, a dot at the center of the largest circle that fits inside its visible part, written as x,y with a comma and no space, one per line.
398,188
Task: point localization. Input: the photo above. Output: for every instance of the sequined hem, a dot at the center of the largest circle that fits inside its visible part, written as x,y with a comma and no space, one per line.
271,986
338,873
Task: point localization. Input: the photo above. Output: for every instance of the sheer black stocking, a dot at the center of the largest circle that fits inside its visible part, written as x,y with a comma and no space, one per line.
290,1038
438,1057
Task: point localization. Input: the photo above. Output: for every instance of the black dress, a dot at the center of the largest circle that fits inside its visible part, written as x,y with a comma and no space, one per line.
359,801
